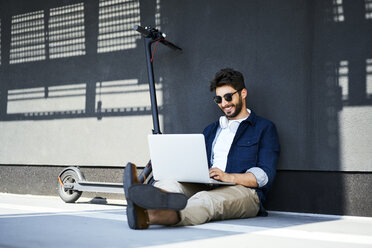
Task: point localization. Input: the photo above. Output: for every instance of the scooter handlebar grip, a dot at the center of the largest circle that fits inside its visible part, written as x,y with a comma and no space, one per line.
141,30
171,45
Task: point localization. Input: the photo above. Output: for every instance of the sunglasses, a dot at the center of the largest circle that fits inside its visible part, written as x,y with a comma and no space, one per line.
227,97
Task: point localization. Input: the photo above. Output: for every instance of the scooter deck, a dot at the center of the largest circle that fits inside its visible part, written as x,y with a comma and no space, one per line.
100,187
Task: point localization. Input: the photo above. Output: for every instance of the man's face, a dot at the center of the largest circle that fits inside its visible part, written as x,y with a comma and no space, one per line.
230,108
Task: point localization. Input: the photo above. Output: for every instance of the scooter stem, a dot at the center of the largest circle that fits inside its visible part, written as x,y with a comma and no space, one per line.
150,73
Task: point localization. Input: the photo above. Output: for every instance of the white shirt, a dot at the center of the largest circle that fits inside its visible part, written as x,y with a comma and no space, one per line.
223,143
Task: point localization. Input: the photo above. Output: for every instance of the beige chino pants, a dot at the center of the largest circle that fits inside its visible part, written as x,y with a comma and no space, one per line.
206,203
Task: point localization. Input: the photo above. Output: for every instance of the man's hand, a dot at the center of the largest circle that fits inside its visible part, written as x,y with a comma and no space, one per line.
245,179
218,174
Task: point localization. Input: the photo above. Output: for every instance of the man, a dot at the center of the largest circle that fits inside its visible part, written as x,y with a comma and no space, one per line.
242,148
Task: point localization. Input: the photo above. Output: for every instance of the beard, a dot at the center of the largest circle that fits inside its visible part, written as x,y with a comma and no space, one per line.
238,109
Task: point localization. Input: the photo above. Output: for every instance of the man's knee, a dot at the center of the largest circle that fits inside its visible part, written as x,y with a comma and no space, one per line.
199,209
169,185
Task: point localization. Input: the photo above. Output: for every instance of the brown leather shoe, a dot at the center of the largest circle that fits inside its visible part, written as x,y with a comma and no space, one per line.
137,217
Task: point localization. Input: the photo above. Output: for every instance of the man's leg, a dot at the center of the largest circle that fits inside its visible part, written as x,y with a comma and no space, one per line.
226,202
171,217
204,205
163,217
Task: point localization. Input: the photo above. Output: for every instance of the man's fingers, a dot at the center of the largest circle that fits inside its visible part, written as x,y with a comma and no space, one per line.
213,174
216,173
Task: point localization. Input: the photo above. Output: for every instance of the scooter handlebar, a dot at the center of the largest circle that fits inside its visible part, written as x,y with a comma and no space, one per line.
155,35
150,32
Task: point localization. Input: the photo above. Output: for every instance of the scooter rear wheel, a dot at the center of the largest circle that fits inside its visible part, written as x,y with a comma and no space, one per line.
68,196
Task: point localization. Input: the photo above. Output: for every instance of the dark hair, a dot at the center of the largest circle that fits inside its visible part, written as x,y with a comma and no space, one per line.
227,76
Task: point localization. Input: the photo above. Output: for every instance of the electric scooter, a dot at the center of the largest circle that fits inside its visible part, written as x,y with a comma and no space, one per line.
71,181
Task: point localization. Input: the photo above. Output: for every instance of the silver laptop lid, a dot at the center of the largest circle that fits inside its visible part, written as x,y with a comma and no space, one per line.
180,157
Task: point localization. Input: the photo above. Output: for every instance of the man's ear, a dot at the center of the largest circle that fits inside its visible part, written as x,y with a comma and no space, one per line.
243,93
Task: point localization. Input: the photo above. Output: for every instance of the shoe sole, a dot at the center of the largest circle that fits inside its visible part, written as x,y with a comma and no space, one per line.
128,177
150,197
136,216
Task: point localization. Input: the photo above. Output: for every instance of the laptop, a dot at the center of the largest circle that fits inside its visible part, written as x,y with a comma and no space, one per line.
180,157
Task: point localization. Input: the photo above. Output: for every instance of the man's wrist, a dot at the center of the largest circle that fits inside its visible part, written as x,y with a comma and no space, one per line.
260,176
230,178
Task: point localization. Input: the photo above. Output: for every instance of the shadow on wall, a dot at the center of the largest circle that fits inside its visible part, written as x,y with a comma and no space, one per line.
73,59
339,113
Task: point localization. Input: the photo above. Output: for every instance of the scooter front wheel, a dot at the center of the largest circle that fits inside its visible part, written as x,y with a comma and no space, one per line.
68,195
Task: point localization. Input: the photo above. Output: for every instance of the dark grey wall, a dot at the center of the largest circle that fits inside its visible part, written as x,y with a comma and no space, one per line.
269,41
289,52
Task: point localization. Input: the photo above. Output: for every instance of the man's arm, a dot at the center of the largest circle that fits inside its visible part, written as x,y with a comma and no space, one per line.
263,173
245,179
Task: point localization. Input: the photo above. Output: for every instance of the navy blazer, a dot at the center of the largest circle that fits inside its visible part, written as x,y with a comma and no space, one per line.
255,144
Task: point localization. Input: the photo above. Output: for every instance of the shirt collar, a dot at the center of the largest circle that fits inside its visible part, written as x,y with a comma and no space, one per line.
251,118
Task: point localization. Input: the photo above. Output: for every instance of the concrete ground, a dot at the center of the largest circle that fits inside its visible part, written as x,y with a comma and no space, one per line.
41,221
